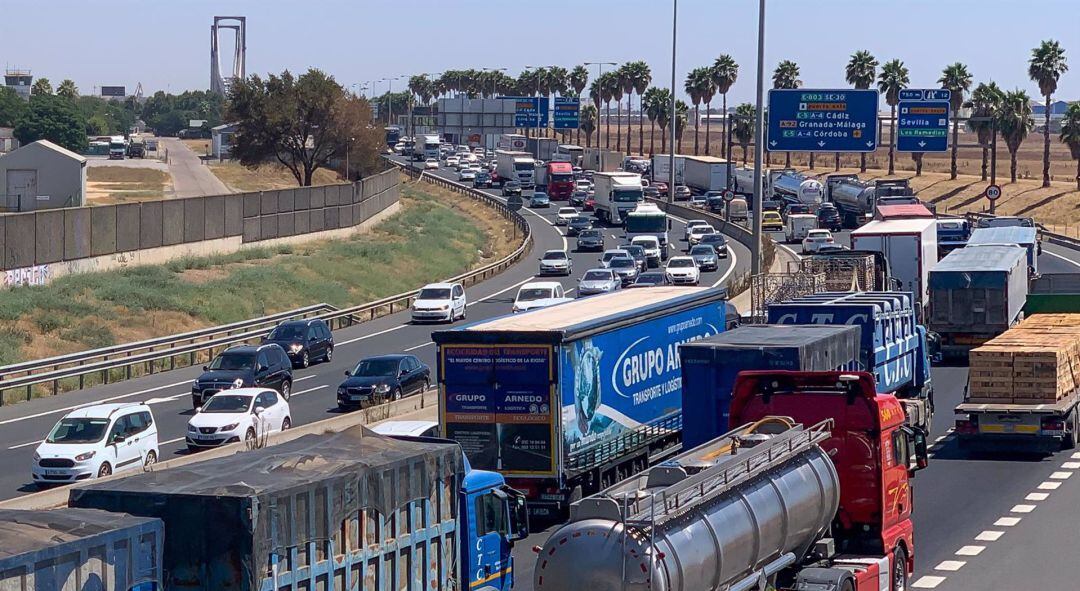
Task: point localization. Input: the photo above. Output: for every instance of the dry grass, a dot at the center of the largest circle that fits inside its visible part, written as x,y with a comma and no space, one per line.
200,147
502,237
265,178
121,184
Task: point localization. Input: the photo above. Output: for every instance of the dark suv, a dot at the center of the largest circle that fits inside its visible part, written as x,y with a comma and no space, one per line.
304,341
244,366
381,379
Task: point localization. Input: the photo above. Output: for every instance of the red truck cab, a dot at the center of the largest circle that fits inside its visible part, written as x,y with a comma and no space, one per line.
875,455
560,180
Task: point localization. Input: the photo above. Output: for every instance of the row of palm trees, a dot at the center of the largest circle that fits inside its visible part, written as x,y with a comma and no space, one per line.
1006,113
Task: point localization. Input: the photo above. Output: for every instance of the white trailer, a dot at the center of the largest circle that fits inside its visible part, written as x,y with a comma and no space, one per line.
426,146
705,173
661,168
797,225
514,165
616,194
910,246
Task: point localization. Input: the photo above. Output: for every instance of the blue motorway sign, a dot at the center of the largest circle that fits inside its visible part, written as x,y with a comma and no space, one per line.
529,111
803,120
922,120
567,112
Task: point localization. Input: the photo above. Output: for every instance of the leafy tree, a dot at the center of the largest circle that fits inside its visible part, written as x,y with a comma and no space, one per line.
1070,135
12,107
860,72
725,71
956,79
984,104
1045,67
103,117
743,127
588,122
41,86
893,79
67,89
1015,123
300,121
609,82
55,119
786,76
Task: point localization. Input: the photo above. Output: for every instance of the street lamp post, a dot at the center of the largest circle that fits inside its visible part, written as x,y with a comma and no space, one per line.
390,99
347,146
674,114
759,143
599,73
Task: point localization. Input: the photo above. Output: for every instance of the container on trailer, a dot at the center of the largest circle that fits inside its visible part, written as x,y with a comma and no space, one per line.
84,549
706,173
271,519
563,400
976,293
661,168
1023,236
910,246
709,366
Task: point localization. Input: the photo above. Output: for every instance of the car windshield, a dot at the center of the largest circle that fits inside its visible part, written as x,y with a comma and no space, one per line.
627,195
513,184
540,196
226,403
650,278
554,256
715,238
567,210
701,250
597,276
288,332
580,220
613,253
589,233
646,244
622,263
82,430
533,293
434,293
229,361
634,250
680,263
702,230
370,368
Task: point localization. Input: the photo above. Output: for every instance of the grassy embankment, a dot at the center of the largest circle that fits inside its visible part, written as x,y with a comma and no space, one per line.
437,234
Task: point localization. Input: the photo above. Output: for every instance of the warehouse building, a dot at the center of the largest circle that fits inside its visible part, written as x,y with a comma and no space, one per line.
42,175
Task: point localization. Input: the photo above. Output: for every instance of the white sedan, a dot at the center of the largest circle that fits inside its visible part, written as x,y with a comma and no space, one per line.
564,215
690,225
431,164
697,232
815,239
683,271
243,414
467,174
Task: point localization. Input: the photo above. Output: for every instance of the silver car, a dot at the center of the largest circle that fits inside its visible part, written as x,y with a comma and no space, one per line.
596,281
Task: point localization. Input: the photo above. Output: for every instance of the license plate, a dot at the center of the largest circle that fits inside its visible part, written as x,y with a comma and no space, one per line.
200,436
55,472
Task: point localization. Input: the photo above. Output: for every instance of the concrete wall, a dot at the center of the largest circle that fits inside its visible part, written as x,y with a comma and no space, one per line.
40,246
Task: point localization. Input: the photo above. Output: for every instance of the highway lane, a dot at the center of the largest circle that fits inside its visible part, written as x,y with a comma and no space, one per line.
23,425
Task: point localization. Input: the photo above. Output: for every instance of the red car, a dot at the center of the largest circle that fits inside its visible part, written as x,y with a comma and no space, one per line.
590,204
661,186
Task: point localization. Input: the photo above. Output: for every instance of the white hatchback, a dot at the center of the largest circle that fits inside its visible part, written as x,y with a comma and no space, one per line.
815,239
697,232
439,302
683,271
96,441
243,414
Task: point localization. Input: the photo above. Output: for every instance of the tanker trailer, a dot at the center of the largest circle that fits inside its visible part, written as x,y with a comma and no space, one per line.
854,199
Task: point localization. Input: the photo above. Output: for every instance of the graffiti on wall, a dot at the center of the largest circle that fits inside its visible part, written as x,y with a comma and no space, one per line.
36,275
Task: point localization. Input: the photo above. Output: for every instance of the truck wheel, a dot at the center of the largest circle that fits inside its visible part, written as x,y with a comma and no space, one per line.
1071,438
899,570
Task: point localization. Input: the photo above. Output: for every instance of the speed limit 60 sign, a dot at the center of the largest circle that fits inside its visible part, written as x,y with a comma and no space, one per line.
992,192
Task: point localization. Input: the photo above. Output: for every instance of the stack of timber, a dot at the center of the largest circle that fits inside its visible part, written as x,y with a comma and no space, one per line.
1036,362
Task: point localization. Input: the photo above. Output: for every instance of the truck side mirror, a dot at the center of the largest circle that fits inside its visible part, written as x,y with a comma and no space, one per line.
518,513
918,456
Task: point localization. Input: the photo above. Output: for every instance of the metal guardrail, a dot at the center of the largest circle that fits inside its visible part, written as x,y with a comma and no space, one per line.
122,362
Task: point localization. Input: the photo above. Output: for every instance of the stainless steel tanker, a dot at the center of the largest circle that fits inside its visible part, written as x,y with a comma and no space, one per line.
854,199
715,518
785,183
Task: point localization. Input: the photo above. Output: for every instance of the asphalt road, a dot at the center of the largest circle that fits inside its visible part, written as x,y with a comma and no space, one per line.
191,178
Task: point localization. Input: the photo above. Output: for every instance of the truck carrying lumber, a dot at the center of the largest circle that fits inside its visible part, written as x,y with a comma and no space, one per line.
1022,386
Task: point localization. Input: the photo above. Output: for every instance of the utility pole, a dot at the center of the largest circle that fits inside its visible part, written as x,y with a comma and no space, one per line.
759,143
599,73
674,114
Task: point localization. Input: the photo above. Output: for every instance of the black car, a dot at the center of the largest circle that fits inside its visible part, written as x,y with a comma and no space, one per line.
590,240
651,279
829,217
651,192
304,341
718,242
637,252
715,203
796,208
244,366
578,197
482,180
626,269
577,224
511,188
381,379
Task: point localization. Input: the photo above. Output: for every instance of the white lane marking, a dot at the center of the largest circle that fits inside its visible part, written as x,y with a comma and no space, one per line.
1061,475
731,267
1076,455
1066,259
166,399
927,582
1037,496
120,397
950,565
1007,521
310,390
943,437
989,536
567,292
502,291
1071,466
167,442
970,550
1022,509
372,335
1049,485
420,346
27,444
300,379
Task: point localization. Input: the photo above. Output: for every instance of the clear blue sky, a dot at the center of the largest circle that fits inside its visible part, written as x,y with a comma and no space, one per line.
165,43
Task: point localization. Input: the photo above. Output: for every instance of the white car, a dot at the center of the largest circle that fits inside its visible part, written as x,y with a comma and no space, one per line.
439,302
243,414
452,161
467,174
96,441
556,262
697,201
564,215
697,232
690,226
654,253
614,253
683,271
431,164
407,428
582,185
815,239
538,294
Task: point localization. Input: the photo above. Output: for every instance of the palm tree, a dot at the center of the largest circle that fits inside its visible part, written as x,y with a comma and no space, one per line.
893,79
681,111
596,94
588,122
708,92
957,80
67,89
578,79
724,74
985,103
743,128
1015,122
1070,135
650,104
696,81
663,115
618,88
1046,66
608,81
860,72
640,75
786,75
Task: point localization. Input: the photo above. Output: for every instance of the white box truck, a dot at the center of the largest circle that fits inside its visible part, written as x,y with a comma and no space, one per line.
910,247
616,194
705,173
661,168
514,165
426,146
797,225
